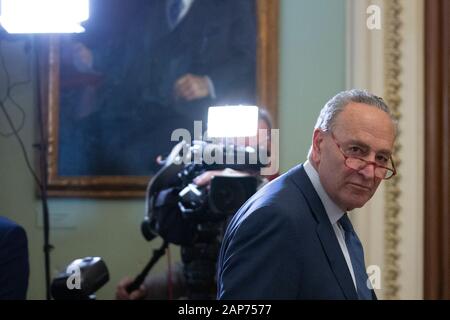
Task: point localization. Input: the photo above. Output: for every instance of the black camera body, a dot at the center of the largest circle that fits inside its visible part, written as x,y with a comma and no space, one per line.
222,198
196,217
178,210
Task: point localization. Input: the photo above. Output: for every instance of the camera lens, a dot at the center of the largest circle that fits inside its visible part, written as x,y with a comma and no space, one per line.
228,194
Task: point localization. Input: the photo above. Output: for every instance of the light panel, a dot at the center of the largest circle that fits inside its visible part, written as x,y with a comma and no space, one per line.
232,121
44,16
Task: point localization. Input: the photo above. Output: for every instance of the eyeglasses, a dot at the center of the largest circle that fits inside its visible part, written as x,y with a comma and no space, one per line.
356,163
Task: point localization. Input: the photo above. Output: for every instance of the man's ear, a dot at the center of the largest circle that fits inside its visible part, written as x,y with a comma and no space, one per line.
318,136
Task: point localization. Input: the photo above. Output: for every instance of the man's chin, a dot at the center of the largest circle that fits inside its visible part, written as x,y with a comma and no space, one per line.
351,207
356,204
357,199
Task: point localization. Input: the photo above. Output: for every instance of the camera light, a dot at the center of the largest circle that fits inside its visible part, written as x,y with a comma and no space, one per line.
44,16
232,121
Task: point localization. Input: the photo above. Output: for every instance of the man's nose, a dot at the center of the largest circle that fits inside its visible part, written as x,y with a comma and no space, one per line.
368,171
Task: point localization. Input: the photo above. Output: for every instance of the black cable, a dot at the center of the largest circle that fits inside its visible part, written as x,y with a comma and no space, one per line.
15,131
14,102
10,87
22,121
22,146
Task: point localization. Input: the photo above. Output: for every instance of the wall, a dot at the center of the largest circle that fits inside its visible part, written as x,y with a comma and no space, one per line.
312,68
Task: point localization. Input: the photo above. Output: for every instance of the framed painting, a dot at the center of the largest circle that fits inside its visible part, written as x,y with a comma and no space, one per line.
113,94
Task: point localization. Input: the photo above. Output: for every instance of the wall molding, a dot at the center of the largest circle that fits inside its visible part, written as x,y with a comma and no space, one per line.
389,62
392,192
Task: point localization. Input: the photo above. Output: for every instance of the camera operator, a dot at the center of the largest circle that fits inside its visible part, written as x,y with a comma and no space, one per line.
173,284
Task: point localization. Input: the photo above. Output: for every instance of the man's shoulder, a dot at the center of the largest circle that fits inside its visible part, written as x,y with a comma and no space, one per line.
287,186
7,224
10,229
281,197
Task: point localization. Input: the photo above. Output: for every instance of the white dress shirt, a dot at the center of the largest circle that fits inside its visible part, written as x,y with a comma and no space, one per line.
333,211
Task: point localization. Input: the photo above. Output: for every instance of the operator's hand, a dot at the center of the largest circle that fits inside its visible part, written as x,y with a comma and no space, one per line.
190,87
122,294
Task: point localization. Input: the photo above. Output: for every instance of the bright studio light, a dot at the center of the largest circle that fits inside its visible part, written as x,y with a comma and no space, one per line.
44,16
232,121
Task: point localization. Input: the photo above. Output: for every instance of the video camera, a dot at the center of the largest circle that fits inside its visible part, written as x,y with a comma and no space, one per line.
180,211
176,208
195,217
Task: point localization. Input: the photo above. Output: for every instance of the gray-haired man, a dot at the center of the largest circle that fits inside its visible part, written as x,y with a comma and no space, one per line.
293,239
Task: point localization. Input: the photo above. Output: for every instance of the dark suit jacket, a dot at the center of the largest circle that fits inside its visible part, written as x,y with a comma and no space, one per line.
216,38
281,245
14,268
133,44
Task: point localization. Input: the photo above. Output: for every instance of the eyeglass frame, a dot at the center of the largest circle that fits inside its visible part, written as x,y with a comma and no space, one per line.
393,170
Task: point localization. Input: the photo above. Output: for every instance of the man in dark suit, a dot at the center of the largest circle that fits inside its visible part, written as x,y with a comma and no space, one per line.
205,57
293,239
205,54
165,62
14,268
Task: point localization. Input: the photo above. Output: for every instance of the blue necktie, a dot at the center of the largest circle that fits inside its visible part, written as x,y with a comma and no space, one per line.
356,252
175,8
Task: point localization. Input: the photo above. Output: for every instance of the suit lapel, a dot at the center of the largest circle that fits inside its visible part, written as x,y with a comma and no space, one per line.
336,260
326,234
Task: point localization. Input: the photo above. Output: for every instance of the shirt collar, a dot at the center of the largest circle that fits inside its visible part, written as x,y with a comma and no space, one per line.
333,211
186,6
